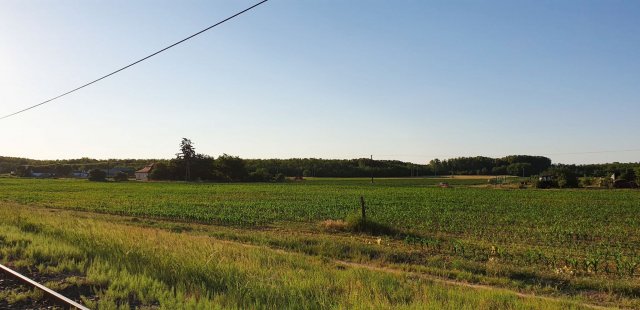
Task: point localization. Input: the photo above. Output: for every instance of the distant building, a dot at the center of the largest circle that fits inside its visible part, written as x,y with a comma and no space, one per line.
42,174
80,174
113,171
546,178
143,174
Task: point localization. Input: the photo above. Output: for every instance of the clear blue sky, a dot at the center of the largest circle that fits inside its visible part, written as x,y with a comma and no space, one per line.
409,80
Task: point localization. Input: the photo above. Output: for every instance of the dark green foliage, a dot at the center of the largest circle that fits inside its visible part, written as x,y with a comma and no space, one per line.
231,167
23,171
520,169
263,175
603,170
201,166
186,157
356,223
499,170
120,177
568,179
435,165
537,163
629,175
315,167
624,184
513,165
97,175
63,168
260,175
187,150
563,177
279,178
161,171
546,184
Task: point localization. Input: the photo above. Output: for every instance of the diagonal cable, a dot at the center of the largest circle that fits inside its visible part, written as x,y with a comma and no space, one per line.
135,62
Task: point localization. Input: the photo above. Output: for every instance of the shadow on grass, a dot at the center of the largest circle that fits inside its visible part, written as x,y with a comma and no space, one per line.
362,225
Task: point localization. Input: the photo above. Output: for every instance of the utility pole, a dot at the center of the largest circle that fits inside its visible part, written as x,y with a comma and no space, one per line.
371,169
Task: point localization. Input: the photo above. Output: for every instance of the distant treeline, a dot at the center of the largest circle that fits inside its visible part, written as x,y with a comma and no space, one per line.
204,167
65,167
316,167
601,170
512,165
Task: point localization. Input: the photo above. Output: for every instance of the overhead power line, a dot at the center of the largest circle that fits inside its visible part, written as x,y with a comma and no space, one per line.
137,61
544,154
595,152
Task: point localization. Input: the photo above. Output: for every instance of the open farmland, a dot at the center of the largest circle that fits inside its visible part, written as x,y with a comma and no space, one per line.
578,245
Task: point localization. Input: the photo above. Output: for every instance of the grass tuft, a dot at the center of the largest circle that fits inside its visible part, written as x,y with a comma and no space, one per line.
356,223
334,225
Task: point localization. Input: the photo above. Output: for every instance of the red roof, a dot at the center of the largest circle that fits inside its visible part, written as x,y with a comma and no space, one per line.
146,169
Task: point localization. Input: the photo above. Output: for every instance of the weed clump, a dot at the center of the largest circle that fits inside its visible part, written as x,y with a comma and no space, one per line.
356,223
334,225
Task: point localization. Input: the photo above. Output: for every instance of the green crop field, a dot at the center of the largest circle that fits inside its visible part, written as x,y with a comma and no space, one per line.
581,247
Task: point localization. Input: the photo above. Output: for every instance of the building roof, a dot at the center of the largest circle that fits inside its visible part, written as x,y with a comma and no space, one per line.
146,169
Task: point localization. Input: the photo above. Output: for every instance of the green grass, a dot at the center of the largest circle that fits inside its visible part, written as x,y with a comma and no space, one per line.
551,217
583,243
128,266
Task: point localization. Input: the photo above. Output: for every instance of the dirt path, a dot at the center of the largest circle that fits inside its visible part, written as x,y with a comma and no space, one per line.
463,284
421,275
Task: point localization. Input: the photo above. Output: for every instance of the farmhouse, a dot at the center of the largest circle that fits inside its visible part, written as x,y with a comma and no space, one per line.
143,174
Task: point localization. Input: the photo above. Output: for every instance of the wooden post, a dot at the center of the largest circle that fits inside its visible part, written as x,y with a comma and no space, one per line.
371,174
364,209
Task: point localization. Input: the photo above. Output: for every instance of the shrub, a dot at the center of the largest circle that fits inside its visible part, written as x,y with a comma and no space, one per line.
628,175
356,223
279,177
161,171
567,180
97,175
260,175
334,225
588,181
232,168
546,184
121,176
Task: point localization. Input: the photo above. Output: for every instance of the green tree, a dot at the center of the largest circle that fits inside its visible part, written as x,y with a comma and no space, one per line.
567,178
629,175
187,153
23,171
231,168
435,165
63,170
120,176
261,175
519,169
97,175
161,172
